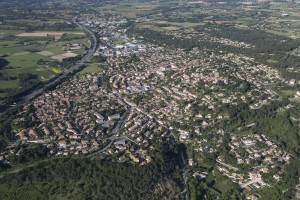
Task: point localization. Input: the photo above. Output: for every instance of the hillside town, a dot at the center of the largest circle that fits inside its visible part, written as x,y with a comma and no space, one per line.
147,94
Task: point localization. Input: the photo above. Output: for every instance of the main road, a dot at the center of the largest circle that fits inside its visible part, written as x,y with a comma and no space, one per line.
69,71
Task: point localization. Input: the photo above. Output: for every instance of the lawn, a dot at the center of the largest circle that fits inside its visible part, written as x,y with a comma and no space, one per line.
223,184
118,41
27,63
56,70
28,60
90,69
272,61
10,49
9,84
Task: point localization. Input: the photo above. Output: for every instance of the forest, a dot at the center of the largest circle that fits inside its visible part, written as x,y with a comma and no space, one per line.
85,178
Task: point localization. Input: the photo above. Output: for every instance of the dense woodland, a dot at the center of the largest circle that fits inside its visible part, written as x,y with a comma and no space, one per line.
84,178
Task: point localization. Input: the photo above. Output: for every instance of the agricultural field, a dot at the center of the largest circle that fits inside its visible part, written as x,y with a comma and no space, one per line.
35,52
173,15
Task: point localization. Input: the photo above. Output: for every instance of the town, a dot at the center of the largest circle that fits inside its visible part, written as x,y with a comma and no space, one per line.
146,94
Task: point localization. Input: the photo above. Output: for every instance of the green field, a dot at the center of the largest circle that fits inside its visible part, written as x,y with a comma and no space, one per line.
25,60
56,70
118,41
27,63
9,84
90,69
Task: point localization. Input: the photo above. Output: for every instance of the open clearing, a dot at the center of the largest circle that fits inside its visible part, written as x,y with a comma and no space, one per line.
45,34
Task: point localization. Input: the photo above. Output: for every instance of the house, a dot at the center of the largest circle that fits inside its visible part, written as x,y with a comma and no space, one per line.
112,117
200,175
191,162
99,116
292,82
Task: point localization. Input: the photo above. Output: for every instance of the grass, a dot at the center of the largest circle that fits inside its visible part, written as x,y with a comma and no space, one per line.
271,61
56,70
10,49
9,84
54,48
26,63
25,60
90,69
171,28
118,41
222,183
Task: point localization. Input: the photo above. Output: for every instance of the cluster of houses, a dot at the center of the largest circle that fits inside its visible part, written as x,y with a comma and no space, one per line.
160,83
80,116
129,84
260,156
69,117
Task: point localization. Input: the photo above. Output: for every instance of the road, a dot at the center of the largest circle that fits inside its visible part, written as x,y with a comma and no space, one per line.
67,72
120,123
251,182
